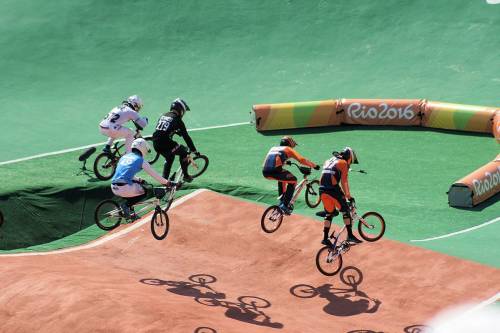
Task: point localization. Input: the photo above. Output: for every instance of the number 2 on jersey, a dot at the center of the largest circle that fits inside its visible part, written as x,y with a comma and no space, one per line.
112,117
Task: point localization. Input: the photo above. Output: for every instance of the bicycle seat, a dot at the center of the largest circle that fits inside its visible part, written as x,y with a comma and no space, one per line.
324,213
159,192
305,171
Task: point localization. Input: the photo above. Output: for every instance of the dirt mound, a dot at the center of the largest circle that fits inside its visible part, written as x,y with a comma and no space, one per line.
217,271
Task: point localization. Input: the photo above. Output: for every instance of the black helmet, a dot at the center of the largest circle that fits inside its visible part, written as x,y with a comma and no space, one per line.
179,105
288,141
349,155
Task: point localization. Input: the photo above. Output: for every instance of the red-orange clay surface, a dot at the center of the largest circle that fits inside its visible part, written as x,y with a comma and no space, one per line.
217,271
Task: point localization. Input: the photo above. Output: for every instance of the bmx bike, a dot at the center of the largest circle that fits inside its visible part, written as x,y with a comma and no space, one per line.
371,227
196,167
109,214
273,216
105,163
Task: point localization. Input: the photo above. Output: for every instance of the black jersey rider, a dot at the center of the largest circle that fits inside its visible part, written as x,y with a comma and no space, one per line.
171,123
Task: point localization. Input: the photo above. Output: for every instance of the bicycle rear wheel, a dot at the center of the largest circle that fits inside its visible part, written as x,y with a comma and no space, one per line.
375,229
108,215
271,219
198,167
154,155
104,166
159,224
328,261
312,194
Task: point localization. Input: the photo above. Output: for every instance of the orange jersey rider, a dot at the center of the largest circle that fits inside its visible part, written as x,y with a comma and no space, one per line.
334,191
273,169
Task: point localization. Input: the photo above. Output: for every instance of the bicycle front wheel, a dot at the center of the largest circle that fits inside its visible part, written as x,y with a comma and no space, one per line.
159,224
328,261
271,219
312,194
108,215
198,167
104,166
374,228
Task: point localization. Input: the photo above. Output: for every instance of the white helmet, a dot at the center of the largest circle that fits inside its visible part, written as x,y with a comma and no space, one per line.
142,145
135,101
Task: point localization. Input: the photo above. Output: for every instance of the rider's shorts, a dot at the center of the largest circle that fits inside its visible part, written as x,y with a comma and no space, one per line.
333,198
280,175
127,190
169,148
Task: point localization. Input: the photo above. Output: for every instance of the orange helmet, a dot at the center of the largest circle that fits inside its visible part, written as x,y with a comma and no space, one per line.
288,141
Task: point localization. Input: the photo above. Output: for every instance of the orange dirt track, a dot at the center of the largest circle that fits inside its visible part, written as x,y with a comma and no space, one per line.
217,271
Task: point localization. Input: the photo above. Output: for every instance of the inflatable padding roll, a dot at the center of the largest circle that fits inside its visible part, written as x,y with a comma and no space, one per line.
458,117
477,186
296,115
496,126
399,112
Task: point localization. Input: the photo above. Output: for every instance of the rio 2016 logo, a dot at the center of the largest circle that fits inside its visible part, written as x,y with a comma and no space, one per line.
382,111
490,181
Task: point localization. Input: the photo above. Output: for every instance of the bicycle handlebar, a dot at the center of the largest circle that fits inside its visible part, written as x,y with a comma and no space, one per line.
304,170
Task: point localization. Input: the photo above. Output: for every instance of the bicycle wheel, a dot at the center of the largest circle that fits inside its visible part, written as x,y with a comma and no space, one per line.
159,224
328,261
104,166
108,215
304,291
154,155
254,301
202,278
375,229
351,276
312,194
198,167
271,219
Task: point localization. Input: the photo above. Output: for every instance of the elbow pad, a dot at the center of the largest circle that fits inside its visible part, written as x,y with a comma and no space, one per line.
141,122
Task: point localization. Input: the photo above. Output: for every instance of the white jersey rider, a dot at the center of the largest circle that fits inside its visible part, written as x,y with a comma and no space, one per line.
112,125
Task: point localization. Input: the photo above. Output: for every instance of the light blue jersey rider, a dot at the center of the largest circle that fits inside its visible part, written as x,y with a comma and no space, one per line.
124,183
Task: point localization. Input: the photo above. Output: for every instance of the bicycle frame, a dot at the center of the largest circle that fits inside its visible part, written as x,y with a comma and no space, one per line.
178,176
355,218
298,188
117,146
147,204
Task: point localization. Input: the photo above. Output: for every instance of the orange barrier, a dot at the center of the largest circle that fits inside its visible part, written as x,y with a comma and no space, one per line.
297,115
471,118
477,186
402,112
467,192
496,126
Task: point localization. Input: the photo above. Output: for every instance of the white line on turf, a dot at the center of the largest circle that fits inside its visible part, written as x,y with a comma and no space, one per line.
457,232
110,237
101,143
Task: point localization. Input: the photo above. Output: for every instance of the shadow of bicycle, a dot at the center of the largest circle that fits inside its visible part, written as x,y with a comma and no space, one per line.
408,329
342,302
247,308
